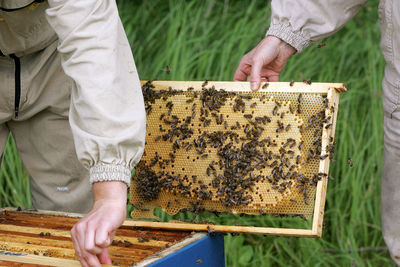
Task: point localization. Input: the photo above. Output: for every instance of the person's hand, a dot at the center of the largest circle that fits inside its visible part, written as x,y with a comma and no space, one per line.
94,232
264,62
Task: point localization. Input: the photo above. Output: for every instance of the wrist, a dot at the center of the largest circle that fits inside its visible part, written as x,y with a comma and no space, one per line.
281,45
110,191
274,41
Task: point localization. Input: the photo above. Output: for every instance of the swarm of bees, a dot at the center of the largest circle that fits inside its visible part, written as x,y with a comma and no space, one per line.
239,156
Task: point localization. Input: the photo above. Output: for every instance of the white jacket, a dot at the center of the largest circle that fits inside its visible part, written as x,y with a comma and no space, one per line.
107,115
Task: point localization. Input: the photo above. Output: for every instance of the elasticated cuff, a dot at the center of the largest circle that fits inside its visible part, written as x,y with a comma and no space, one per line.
110,172
284,32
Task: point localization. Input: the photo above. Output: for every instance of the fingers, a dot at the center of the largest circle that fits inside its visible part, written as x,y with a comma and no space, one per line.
104,257
255,68
78,240
239,75
102,238
273,78
241,72
78,250
264,62
91,260
269,75
249,66
80,233
90,245
94,233
255,74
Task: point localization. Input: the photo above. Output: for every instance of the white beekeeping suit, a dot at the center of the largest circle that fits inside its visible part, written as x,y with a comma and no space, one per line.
295,24
70,95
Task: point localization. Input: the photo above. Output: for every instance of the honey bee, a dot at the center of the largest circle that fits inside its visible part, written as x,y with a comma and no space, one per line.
300,98
167,69
275,110
350,162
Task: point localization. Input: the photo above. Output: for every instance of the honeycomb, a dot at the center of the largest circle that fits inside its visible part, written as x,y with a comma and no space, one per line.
238,152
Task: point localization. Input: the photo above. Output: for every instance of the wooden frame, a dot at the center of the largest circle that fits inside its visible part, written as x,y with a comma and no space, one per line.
333,91
9,257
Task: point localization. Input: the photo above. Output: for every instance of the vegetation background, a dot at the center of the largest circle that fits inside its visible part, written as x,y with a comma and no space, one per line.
201,40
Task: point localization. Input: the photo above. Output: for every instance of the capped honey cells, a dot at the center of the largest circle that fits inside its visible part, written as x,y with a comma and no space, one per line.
241,152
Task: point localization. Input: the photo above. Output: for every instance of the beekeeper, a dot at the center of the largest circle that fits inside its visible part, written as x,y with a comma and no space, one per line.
71,98
297,24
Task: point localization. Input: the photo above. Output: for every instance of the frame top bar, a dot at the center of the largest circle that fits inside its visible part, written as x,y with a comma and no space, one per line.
300,87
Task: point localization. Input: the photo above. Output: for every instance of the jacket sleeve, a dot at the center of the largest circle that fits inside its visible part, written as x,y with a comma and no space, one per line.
302,22
107,115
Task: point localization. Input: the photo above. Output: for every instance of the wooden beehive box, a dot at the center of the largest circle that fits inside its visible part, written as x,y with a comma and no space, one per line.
32,238
219,147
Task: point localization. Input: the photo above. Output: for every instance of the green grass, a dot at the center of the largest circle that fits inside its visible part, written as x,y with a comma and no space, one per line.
201,40
14,183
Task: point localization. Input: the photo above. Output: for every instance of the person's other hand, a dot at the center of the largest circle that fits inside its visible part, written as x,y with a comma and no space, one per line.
94,233
264,62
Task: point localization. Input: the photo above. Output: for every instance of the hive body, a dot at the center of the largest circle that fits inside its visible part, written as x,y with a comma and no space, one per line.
43,239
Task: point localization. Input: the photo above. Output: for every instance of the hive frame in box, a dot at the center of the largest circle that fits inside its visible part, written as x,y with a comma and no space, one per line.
21,258
332,90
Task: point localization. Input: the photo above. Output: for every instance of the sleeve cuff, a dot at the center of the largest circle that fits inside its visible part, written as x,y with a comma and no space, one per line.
284,32
110,172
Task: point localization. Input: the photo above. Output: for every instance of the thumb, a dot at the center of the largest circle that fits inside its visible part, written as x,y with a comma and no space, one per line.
255,75
104,257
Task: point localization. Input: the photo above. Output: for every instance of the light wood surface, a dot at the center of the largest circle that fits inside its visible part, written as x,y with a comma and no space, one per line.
11,260
297,87
328,134
43,238
222,228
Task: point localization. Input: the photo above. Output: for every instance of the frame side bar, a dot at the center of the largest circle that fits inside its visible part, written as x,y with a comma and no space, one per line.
327,134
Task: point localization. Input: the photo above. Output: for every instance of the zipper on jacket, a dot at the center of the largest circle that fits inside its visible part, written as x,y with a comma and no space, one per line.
17,64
